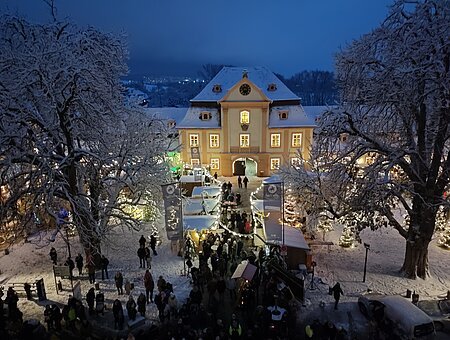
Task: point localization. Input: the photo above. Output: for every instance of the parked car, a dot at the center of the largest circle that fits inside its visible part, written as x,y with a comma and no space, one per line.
397,316
439,311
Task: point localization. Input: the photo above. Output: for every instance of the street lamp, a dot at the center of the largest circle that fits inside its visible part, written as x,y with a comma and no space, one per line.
367,246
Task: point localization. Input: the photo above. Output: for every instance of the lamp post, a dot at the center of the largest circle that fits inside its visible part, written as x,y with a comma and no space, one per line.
367,246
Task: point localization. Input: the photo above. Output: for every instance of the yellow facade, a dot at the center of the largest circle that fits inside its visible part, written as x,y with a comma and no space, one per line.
244,133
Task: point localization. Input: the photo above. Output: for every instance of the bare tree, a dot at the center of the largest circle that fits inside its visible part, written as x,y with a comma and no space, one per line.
395,88
66,137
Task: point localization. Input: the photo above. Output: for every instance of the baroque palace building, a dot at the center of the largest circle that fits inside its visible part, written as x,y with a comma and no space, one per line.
245,121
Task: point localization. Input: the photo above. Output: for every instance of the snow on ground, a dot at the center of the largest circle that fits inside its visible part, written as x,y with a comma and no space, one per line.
28,262
385,258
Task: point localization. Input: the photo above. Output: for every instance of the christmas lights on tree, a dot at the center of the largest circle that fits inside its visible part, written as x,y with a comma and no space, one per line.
324,226
347,238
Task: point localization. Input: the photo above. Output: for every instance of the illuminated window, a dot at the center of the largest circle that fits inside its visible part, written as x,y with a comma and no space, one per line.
215,164
275,163
245,117
244,140
283,115
370,159
205,115
296,140
193,140
295,162
214,140
275,140
195,161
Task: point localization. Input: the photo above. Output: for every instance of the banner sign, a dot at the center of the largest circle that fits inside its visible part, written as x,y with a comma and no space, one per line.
272,198
272,195
172,209
195,153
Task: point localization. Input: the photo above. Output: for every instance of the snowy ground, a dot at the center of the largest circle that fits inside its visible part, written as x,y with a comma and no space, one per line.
28,262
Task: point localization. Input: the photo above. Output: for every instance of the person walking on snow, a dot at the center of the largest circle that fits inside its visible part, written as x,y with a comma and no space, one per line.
142,241
245,182
53,255
239,182
141,255
153,244
79,262
104,262
118,278
337,292
149,284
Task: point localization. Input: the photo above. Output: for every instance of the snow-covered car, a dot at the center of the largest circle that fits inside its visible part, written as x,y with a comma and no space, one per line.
395,315
439,311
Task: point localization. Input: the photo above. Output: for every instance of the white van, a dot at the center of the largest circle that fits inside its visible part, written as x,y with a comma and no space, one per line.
398,316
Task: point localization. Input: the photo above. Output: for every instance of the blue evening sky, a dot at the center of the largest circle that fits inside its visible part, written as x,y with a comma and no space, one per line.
178,36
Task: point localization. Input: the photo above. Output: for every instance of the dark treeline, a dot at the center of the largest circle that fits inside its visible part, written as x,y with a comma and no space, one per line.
313,87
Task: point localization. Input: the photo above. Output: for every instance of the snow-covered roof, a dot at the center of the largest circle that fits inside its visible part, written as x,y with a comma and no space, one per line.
272,179
200,222
194,206
259,206
192,119
259,75
292,237
210,191
296,117
175,113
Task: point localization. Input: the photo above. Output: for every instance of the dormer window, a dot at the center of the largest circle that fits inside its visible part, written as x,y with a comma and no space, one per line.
205,115
272,87
283,115
217,88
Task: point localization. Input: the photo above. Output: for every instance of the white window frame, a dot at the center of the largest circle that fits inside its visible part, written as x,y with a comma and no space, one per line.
215,163
195,161
211,144
192,138
295,162
273,161
293,139
272,144
244,117
241,139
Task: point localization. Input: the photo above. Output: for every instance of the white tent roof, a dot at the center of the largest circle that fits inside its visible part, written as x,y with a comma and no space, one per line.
273,179
193,206
200,222
293,237
210,191
259,206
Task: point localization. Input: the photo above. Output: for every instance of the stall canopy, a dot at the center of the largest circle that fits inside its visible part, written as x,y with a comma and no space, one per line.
200,222
244,270
198,206
207,192
293,237
273,179
258,205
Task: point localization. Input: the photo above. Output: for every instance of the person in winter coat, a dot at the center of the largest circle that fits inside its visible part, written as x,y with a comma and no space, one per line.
173,306
149,285
131,308
239,180
142,241
47,317
90,299
127,287
245,180
141,303
196,296
53,255
79,262
118,314
161,284
91,270
153,244
148,257
337,292
118,278
104,263
141,255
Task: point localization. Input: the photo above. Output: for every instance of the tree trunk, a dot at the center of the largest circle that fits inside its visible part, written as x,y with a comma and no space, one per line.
416,259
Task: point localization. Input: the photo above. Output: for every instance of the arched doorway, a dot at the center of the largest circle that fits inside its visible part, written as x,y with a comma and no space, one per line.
245,166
